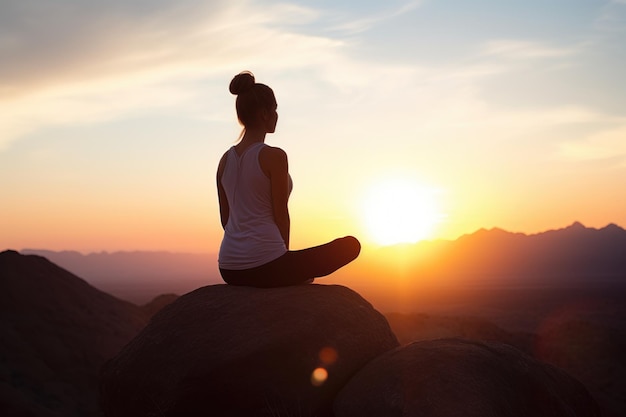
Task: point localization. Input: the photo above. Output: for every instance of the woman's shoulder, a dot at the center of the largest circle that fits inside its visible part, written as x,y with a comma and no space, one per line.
273,158
273,151
225,156
272,154
223,159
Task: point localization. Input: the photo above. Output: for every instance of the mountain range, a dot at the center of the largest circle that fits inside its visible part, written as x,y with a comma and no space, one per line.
574,255
138,276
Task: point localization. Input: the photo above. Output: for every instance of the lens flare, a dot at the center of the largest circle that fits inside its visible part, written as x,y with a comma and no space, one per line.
319,376
328,355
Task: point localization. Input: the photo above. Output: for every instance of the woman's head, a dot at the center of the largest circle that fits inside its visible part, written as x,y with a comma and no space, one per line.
256,103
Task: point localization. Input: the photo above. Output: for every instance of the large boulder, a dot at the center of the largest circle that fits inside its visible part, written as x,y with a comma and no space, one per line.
224,350
452,377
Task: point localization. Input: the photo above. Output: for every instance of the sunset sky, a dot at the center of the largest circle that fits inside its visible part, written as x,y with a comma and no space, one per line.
114,114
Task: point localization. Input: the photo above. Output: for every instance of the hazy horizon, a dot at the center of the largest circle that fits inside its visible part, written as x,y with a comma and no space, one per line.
570,258
369,245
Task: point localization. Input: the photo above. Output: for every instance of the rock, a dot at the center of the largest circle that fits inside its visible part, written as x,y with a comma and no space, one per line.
225,350
452,377
158,303
56,332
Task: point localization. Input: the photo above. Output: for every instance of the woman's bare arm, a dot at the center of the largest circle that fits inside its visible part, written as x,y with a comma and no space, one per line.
221,194
274,164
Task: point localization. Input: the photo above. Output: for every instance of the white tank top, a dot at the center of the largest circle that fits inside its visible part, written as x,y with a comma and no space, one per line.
251,236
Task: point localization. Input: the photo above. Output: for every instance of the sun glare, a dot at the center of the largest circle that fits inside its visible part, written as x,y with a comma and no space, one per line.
400,211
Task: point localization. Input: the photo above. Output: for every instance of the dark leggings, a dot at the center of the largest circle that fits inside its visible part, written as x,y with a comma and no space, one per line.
297,267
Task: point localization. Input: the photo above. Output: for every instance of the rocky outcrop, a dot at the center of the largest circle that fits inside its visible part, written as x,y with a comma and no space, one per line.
452,377
226,351
158,303
56,331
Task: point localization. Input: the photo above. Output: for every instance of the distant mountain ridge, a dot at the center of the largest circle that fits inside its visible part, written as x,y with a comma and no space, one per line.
134,264
138,276
574,254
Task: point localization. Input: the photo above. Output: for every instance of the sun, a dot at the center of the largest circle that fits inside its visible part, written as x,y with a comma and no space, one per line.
400,211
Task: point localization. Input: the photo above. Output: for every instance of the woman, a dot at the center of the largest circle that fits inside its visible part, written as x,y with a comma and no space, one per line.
253,186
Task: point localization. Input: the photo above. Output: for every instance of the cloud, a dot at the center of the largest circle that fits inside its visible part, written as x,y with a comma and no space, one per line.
93,61
63,44
99,61
514,49
48,44
603,145
362,24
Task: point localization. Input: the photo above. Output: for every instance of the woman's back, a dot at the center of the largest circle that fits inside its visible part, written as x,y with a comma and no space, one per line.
251,237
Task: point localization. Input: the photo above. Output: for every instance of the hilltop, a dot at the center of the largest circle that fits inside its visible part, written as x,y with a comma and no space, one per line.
57,331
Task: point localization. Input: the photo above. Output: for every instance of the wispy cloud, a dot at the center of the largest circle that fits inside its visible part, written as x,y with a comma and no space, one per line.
78,64
606,144
92,44
525,50
93,63
351,25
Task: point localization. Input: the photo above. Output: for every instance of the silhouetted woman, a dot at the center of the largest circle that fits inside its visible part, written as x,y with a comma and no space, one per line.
254,184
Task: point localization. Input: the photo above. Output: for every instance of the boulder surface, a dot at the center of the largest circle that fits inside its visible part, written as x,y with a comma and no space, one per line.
227,350
452,377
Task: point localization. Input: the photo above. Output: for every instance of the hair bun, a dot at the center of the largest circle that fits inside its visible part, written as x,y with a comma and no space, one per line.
242,82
